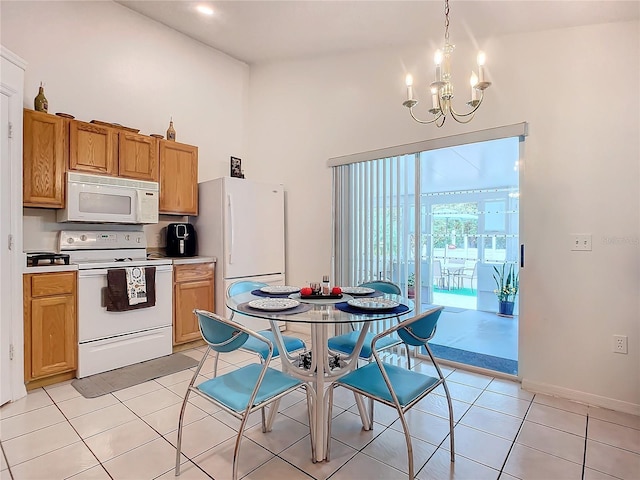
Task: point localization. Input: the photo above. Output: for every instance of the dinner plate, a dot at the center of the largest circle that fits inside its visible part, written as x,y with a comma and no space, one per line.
274,304
280,289
358,290
373,303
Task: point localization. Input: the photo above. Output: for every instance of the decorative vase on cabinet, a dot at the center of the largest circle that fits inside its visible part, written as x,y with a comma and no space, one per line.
171,132
40,103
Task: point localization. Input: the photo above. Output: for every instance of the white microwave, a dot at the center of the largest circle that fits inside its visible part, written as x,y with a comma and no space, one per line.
97,199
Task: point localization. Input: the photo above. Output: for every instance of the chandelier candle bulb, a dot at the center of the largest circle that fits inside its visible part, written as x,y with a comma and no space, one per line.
437,58
473,81
434,98
481,59
409,81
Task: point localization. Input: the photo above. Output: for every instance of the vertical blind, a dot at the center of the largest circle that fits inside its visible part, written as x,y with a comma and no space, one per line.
372,219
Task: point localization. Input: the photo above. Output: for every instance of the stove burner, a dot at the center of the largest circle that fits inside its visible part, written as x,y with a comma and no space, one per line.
128,259
46,258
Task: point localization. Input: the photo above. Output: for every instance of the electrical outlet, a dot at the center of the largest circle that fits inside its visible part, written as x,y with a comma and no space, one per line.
580,242
620,344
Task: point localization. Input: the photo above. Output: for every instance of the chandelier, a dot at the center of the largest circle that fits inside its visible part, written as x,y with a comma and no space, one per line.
442,88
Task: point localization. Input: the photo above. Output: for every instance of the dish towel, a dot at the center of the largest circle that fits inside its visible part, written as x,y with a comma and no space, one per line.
136,285
116,294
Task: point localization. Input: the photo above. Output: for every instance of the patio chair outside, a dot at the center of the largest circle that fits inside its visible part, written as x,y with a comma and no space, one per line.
242,391
471,276
438,275
396,386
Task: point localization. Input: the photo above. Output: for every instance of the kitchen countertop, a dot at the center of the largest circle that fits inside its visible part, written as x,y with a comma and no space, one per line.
73,267
51,268
187,260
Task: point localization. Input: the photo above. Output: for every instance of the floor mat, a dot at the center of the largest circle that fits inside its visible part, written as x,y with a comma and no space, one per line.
120,378
481,360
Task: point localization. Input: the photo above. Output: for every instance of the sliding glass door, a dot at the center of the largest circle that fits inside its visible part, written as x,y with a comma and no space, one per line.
435,222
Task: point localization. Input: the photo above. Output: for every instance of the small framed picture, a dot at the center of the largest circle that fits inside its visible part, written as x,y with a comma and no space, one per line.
236,167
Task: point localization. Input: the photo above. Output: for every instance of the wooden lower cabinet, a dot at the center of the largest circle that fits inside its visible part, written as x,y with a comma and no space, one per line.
50,324
193,288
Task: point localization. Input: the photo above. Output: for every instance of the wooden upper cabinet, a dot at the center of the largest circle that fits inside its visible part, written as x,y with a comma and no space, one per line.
93,148
137,156
178,178
44,159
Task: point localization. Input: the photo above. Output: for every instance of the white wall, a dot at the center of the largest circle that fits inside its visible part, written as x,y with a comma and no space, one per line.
102,61
99,60
579,91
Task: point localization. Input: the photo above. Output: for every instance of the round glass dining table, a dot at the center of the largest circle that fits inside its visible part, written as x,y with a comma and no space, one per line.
322,370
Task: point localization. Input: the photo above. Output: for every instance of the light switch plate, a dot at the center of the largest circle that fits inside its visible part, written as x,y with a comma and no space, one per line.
580,242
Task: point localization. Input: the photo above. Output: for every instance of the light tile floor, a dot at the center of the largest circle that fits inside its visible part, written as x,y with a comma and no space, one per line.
501,432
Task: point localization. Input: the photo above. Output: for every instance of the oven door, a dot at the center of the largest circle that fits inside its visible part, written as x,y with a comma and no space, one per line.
95,322
110,340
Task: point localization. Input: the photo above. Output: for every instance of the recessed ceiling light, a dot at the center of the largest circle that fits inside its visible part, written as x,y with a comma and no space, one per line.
205,10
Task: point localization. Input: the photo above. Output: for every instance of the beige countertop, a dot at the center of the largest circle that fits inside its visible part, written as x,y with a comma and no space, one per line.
51,268
73,267
187,260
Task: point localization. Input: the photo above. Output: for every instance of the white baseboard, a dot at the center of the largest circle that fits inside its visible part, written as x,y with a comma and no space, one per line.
582,397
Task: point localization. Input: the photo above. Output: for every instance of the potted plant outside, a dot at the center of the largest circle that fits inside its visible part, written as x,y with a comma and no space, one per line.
411,285
507,283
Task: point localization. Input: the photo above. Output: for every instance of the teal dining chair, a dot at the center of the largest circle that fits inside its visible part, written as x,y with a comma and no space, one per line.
242,391
291,344
345,343
396,386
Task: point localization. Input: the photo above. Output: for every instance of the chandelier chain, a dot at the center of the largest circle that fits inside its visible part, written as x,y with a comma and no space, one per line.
446,21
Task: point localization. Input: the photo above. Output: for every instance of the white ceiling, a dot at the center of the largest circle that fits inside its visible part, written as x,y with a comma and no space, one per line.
270,30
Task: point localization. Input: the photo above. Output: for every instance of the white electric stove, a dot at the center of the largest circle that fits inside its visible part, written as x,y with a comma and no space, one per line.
109,340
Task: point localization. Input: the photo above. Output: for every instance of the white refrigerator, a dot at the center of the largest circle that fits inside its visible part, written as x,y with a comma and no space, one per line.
241,223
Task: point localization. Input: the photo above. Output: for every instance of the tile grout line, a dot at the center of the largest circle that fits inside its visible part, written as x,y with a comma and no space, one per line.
584,454
506,458
6,461
79,436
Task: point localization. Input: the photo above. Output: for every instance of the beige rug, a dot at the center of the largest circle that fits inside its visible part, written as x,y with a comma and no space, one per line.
114,380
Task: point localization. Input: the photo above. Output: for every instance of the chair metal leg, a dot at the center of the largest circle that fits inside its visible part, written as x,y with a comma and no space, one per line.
407,437
184,406
236,449
406,349
179,443
451,440
446,392
215,364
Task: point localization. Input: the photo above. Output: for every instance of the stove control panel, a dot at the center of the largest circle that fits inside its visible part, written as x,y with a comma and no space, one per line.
101,240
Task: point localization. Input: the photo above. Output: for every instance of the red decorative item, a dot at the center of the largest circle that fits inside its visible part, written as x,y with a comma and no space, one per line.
336,291
306,291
